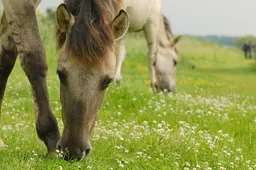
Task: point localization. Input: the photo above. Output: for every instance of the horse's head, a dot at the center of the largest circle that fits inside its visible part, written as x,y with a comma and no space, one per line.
165,67
86,67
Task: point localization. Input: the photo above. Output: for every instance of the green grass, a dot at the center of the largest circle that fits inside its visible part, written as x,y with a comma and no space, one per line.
209,123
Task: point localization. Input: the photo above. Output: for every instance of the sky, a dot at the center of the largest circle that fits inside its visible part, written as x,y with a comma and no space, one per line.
204,17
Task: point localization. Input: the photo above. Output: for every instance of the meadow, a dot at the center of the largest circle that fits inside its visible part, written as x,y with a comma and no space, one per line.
209,124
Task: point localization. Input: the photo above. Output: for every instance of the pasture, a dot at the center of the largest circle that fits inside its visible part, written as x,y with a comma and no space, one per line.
209,124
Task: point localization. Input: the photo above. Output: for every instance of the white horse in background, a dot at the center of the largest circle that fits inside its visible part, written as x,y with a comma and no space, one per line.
146,15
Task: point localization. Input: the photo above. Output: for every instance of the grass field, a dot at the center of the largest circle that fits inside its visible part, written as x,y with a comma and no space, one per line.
209,124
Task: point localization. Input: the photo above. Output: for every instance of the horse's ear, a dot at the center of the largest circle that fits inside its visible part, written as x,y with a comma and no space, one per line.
175,40
65,20
120,25
36,3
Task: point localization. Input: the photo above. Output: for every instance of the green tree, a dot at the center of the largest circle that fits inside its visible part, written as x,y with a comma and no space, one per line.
239,42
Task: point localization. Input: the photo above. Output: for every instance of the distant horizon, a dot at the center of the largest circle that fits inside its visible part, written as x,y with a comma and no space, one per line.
185,34
218,17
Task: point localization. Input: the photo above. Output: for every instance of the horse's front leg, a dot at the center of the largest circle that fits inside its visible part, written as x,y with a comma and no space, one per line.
151,33
119,60
8,55
22,21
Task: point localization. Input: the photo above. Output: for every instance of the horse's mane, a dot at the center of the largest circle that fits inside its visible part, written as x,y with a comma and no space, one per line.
91,37
168,32
167,28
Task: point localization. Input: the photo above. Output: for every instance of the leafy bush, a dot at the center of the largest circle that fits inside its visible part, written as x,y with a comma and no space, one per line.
239,42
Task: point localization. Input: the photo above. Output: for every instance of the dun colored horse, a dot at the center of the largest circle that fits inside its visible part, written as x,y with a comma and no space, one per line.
146,15
86,34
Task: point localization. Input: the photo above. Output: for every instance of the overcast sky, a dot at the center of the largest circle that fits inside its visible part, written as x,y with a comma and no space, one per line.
201,17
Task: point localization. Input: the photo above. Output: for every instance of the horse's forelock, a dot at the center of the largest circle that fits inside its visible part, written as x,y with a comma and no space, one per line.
91,37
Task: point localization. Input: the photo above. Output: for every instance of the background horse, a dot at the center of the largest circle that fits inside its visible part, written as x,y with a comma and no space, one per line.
146,15
86,64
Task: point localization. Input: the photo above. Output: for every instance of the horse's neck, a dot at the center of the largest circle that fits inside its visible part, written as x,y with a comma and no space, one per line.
165,37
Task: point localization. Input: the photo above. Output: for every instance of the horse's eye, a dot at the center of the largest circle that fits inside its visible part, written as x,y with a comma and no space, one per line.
62,76
175,62
106,82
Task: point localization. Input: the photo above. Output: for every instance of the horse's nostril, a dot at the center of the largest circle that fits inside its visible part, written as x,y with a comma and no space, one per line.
58,146
87,151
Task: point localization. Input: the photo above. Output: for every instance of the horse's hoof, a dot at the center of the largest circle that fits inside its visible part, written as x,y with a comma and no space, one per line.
118,82
2,145
52,154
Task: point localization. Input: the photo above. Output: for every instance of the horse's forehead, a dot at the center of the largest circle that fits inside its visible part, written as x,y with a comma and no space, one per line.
107,64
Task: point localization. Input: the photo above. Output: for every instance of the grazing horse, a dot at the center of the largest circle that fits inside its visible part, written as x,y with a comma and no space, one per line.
146,15
86,34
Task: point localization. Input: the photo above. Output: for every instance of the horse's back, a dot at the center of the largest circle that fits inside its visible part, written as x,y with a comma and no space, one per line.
22,4
142,12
